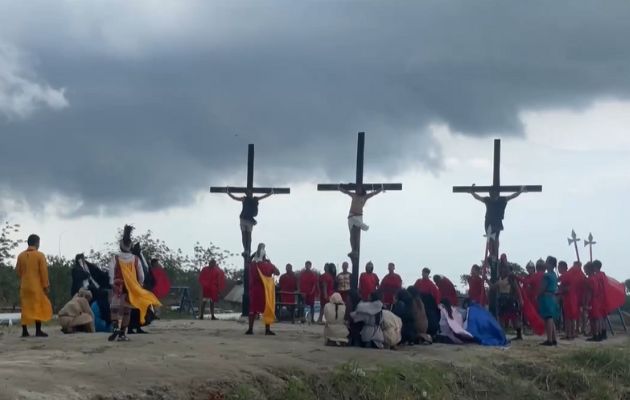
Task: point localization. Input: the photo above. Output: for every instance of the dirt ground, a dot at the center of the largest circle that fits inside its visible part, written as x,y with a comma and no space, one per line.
180,357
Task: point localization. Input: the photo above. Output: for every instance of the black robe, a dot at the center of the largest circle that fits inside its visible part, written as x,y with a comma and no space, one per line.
99,294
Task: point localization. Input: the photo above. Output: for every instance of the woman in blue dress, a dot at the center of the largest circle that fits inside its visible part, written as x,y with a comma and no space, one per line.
547,303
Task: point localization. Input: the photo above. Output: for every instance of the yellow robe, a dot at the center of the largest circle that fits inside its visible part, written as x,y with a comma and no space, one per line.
32,270
269,316
138,297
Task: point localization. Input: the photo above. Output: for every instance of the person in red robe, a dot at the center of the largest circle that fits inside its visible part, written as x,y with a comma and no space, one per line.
308,287
426,286
326,288
288,288
260,264
570,282
447,289
390,285
476,286
368,282
598,305
212,281
534,282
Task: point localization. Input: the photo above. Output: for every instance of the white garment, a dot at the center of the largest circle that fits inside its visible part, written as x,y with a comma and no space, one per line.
453,328
392,327
335,329
357,220
126,257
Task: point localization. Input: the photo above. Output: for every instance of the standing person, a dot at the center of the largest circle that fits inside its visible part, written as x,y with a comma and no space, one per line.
343,282
288,287
355,216
509,301
570,290
368,282
476,286
425,285
247,216
495,212
547,303
390,286
326,288
32,271
212,281
262,290
597,301
308,288
447,289
126,277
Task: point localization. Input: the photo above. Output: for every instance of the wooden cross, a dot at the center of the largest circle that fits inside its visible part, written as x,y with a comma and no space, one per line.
354,282
496,188
249,189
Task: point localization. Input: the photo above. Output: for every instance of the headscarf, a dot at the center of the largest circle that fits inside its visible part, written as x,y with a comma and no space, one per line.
260,254
337,300
86,294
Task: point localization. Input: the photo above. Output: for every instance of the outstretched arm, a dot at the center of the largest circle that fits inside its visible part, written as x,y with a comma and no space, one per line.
265,196
344,191
374,193
515,195
234,197
475,195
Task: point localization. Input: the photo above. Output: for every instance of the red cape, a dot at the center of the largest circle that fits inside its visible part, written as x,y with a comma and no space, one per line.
212,280
256,287
530,313
447,291
162,283
368,282
390,285
427,286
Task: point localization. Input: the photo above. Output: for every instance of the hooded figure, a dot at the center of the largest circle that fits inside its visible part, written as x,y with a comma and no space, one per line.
371,314
86,275
335,331
76,315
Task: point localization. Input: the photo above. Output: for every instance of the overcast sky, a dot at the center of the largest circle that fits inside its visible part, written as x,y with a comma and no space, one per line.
117,111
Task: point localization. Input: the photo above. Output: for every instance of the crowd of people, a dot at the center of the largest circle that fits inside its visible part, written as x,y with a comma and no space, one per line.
379,313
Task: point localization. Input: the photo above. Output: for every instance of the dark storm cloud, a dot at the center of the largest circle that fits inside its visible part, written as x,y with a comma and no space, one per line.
161,110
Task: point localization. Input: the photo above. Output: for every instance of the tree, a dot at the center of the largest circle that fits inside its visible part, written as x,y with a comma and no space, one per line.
60,279
9,285
627,282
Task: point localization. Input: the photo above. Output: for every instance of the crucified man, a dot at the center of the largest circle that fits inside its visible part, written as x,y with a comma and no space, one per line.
495,212
355,217
249,211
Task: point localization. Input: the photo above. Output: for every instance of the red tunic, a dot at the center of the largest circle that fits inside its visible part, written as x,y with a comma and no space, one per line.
288,283
308,287
598,303
570,284
390,285
212,280
476,290
447,290
368,283
256,287
327,280
532,286
427,286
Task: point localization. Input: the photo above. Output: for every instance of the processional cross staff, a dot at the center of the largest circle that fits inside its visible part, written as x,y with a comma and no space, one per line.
573,240
590,242
495,203
248,214
360,193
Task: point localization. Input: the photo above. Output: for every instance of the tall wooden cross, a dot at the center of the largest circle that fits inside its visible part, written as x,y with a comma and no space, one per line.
249,189
354,282
496,188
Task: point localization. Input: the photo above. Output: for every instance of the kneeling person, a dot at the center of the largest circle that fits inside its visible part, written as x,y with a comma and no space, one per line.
76,315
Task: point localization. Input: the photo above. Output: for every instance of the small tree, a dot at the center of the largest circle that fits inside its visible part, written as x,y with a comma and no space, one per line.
60,278
9,285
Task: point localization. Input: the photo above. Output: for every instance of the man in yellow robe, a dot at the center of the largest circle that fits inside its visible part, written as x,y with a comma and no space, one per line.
32,270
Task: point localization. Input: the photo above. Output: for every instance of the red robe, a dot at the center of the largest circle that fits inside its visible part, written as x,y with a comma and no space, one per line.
327,280
447,291
571,282
162,284
390,286
427,286
256,287
477,290
308,287
212,280
288,283
368,283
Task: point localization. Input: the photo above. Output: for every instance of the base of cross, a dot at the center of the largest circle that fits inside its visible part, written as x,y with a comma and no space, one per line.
246,260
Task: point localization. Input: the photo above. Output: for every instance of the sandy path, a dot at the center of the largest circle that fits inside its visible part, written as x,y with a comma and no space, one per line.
180,354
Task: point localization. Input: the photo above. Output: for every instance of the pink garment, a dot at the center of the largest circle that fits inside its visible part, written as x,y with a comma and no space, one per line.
453,328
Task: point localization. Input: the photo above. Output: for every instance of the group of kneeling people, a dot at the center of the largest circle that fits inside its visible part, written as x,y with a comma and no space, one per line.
414,318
